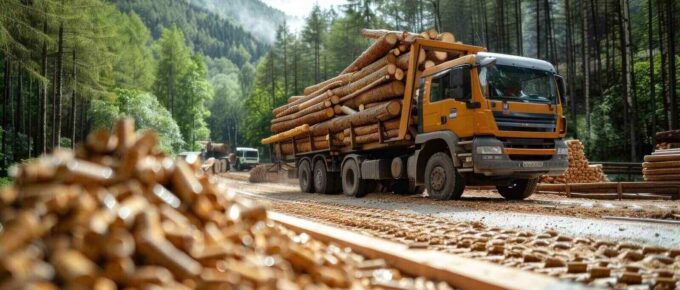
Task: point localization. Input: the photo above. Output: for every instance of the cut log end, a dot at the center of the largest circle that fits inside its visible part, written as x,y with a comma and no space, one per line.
393,108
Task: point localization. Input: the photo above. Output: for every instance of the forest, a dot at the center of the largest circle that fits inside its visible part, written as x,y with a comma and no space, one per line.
193,71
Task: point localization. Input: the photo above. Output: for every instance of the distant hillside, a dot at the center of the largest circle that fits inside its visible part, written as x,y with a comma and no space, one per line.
256,17
207,32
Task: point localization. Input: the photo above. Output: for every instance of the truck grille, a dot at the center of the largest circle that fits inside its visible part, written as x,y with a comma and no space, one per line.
528,143
528,122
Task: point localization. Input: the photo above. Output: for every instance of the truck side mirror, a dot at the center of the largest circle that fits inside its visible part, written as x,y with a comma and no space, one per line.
562,89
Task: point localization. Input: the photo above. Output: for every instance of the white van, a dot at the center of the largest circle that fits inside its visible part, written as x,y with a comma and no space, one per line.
247,158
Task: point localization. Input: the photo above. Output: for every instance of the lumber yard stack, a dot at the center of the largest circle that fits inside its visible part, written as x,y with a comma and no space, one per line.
118,214
662,165
362,104
580,170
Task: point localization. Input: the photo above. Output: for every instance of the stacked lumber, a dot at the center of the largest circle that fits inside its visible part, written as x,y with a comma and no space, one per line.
662,165
580,170
365,94
118,214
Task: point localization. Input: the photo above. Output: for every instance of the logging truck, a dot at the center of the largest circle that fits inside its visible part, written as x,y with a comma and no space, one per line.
468,117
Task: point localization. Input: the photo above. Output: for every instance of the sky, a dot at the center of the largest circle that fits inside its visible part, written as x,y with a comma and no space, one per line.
299,9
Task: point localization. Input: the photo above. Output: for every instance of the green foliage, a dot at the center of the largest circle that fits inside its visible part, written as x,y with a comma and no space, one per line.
135,67
207,32
147,112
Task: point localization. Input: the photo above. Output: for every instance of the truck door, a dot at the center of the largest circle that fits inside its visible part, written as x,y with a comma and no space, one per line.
445,105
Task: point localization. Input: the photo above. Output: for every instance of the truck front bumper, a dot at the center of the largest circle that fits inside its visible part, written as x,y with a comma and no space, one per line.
503,165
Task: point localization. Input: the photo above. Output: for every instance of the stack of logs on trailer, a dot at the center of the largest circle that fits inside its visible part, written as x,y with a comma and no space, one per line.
359,106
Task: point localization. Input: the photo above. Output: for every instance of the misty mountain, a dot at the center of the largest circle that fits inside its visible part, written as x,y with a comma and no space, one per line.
207,32
255,16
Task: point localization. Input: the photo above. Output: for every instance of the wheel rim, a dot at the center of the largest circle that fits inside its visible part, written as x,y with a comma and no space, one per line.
438,178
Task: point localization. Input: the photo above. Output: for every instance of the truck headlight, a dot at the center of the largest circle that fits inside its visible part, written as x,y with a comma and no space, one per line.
489,150
562,151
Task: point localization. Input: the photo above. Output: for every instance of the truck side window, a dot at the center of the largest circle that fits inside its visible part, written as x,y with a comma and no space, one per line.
439,82
459,86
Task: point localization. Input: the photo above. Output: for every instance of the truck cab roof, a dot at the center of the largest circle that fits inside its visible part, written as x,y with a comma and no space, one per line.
245,149
519,61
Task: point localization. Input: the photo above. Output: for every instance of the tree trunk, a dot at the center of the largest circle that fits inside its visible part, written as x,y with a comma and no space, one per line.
626,66
7,97
73,102
372,128
308,110
518,27
538,29
18,113
650,51
670,31
403,60
586,66
570,65
373,137
664,54
43,95
596,38
58,88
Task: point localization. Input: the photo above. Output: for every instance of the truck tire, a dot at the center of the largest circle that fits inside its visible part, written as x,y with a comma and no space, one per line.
305,177
352,184
519,189
442,180
324,182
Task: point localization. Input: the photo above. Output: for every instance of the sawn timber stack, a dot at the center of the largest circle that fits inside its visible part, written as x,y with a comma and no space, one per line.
363,104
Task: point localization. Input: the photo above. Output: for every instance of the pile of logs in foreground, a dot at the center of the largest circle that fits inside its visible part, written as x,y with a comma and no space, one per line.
365,94
118,214
662,165
579,171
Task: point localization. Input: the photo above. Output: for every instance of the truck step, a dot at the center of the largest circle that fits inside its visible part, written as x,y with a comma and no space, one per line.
465,170
468,142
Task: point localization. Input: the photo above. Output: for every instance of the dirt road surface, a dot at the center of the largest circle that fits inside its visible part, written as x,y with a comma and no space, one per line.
575,217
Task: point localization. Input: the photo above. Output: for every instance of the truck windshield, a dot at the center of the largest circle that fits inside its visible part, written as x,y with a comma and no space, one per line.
251,154
518,84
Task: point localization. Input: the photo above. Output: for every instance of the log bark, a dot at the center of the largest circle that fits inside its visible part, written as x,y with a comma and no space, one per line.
672,136
378,94
432,33
372,128
373,137
437,55
370,105
294,98
313,88
347,110
338,110
292,133
277,112
364,89
312,118
295,107
447,37
402,36
375,66
388,70
309,110
403,60
287,148
382,113
381,47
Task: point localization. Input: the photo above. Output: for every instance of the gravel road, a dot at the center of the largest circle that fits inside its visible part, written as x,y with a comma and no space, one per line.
575,217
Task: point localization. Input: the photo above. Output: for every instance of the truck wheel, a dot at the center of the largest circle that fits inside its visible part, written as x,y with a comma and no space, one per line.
305,177
442,180
324,182
352,184
519,189
405,187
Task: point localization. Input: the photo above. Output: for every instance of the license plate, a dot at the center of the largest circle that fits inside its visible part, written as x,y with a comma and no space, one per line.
532,164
